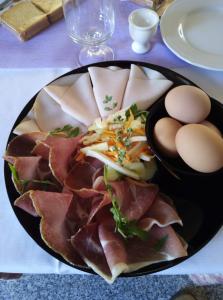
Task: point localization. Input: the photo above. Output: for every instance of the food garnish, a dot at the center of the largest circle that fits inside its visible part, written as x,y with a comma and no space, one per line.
126,228
67,131
120,142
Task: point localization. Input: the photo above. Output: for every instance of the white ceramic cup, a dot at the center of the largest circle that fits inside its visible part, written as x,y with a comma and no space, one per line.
143,24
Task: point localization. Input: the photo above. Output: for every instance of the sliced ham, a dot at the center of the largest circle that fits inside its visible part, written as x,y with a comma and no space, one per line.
60,155
22,145
160,213
86,242
154,250
25,202
134,198
33,172
114,249
41,149
130,255
53,208
80,178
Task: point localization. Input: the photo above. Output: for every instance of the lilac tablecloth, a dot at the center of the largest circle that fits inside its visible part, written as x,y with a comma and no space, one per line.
53,48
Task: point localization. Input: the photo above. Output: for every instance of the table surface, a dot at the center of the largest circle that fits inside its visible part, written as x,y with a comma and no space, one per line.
24,69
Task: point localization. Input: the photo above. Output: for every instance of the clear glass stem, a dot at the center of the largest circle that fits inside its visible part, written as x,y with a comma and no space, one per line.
93,54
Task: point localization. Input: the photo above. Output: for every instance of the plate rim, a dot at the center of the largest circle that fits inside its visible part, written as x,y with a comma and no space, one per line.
9,184
170,45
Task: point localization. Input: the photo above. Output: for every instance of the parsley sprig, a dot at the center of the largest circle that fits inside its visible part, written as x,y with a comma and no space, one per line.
110,103
126,228
68,130
136,113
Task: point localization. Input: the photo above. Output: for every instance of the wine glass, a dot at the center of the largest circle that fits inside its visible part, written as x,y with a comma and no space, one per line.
91,23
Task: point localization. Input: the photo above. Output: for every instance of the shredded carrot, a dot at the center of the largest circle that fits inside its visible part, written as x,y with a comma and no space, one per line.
139,131
79,156
108,133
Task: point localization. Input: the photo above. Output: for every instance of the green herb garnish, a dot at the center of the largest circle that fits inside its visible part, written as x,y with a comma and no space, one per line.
23,183
14,173
126,228
121,155
160,243
112,104
136,113
68,130
107,99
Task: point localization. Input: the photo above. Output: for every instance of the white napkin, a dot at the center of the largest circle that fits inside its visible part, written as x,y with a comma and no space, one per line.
144,87
109,87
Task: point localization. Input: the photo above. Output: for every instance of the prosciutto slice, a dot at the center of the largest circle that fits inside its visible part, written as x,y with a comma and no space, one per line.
134,198
81,178
53,208
22,145
25,202
33,174
86,242
60,154
130,255
160,213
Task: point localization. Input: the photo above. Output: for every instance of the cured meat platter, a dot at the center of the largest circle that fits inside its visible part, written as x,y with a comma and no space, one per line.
199,205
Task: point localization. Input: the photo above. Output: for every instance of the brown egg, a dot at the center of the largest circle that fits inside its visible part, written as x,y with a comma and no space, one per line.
164,134
188,104
211,126
200,147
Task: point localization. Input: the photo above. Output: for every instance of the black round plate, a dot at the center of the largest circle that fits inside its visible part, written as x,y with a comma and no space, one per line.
200,210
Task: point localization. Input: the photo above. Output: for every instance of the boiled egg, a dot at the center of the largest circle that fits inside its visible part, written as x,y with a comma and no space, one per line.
187,104
200,147
164,135
211,126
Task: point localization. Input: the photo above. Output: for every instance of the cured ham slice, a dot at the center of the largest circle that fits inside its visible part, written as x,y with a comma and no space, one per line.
76,99
60,154
86,242
23,145
144,87
163,244
130,255
53,208
81,177
111,83
25,202
26,167
134,198
160,213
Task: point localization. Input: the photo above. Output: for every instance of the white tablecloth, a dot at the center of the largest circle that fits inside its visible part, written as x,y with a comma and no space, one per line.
18,252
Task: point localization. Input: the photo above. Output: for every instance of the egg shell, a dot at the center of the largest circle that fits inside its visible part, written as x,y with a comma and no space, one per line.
164,133
188,104
211,126
200,148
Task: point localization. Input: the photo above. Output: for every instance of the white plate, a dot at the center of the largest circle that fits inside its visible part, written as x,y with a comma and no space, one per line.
193,30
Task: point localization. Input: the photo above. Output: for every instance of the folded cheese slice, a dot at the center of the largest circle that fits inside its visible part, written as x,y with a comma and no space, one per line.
109,87
77,99
144,87
49,114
